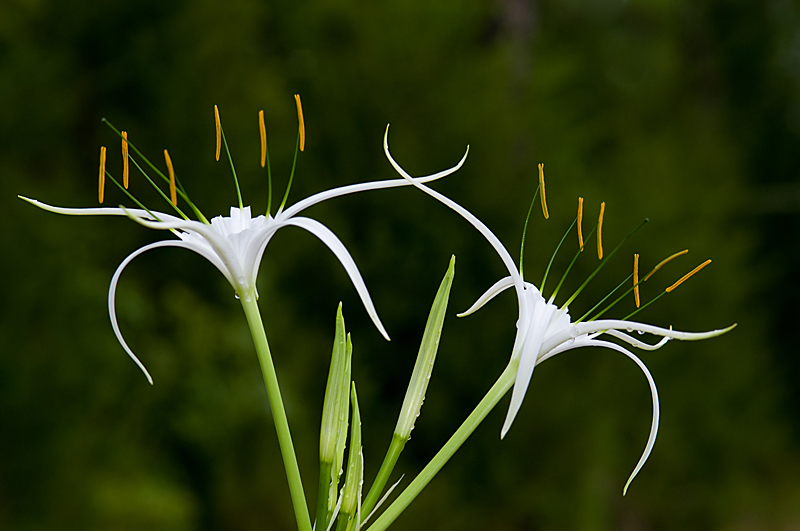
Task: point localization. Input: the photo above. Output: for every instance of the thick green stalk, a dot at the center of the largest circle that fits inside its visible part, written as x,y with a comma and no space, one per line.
392,455
498,391
278,412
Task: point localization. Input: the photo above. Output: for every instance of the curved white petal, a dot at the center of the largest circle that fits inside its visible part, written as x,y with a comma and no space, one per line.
635,342
614,324
100,211
466,214
337,247
498,287
258,244
112,293
533,333
362,187
651,439
216,241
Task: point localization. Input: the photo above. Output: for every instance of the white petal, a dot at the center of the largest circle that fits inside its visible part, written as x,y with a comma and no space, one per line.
100,211
635,342
651,439
498,287
466,214
334,244
215,240
112,293
532,333
361,187
612,324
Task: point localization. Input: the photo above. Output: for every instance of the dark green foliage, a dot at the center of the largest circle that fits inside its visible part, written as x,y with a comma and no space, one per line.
684,112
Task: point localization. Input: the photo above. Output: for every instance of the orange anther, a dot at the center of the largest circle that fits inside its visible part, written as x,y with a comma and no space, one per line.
302,123
687,275
173,195
263,130
101,184
541,185
125,169
600,231
580,219
219,130
664,261
636,278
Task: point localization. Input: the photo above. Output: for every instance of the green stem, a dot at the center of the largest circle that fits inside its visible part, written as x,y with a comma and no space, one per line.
250,306
374,494
322,495
498,390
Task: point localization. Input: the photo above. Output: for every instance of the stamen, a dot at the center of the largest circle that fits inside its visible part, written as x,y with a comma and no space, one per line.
125,159
664,261
600,231
219,130
172,192
541,185
687,275
580,219
101,184
262,129
636,278
302,123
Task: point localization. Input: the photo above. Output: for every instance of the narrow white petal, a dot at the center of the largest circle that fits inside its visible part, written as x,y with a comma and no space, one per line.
635,342
498,287
100,211
112,293
362,187
527,363
466,214
651,439
531,332
612,324
218,243
337,247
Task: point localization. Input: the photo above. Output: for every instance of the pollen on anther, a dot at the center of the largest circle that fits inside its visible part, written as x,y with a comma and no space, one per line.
636,278
687,275
262,129
173,195
600,231
580,219
664,261
125,168
219,129
541,185
302,123
101,183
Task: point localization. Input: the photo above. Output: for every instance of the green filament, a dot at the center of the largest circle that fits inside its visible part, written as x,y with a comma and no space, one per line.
546,271
179,187
233,170
564,276
525,230
291,175
603,263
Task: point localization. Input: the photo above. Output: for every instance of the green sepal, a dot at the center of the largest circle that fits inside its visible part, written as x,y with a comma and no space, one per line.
334,422
341,436
416,388
415,394
351,492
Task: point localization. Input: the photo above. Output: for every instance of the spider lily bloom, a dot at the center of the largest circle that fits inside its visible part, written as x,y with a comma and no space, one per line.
545,330
234,244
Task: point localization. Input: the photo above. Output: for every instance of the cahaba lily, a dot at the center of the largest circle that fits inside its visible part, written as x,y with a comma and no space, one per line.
234,244
545,329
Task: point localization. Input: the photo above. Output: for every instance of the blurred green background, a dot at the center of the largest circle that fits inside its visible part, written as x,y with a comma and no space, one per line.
686,112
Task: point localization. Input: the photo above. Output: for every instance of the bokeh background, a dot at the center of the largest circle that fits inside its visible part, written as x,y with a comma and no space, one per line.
686,112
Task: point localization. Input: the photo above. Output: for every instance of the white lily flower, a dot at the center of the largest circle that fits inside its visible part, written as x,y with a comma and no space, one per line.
235,244
545,330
